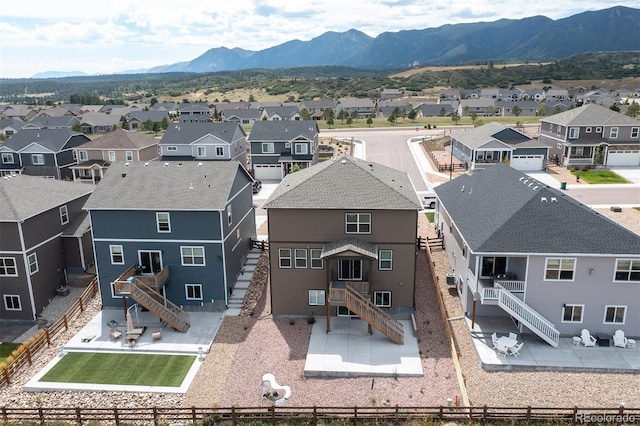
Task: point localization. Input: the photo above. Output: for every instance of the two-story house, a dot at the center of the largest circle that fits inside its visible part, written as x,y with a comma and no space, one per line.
241,115
194,113
179,232
342,238
492,143
364,108
317,109
41,152
204,141
94,157
138,119
280,113
43,234
280,147
520,249
591,135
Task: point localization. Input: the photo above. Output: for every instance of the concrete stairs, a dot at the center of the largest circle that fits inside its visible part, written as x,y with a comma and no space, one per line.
236,299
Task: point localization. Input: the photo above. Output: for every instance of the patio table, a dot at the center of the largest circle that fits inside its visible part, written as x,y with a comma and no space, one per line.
507,341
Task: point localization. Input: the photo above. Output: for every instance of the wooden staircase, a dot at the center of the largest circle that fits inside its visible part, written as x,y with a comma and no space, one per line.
155,302
370,313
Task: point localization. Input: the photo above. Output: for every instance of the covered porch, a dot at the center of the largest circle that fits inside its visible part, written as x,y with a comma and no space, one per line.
583,154
91,171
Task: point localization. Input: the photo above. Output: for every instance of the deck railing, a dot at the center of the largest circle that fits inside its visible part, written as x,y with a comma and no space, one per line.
337,294
153,281
373,315
160,306
514,286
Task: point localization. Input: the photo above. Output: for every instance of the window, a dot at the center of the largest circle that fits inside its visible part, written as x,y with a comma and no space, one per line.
128,155
577,150
559,131
219,151
267,148
598,129
201,151
634,132
316,260
382,299
64,215
316,297
614,314
627,270
301,148
12,302
492,266
193,291
117,255
192,256
112,155
613,133
83,155
7,158
559,269
300,258
163,222
229,215
8,267
574,132
572,313
350,269
284,256
385,260
587,130
37,159
358,223
33,263
172,148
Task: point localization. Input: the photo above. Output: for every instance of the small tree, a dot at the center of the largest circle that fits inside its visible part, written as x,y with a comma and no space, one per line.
164,124
615,108
77,127
354,115
542,109
412,114
491,110
349,121
125,125
465,110
442,112
114,128
342,115
369,121
633,110
455,117
155,127
148,125
516,110
304,114
252,98
474,117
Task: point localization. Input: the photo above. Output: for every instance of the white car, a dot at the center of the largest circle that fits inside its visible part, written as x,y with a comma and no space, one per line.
429,201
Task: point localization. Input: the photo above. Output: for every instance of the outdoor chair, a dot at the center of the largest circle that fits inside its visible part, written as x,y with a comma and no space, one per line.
619,339
515,351
587,339
494,339
502,350
115,334
513,336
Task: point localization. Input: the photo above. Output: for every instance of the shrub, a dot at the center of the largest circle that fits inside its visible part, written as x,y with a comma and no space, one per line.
292,322
311,320
586,168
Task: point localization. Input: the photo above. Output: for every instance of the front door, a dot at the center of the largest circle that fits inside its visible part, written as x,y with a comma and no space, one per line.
150,261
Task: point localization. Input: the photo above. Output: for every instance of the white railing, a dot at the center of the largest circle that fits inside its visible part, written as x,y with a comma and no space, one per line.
489,294
472,282
529,317
514,286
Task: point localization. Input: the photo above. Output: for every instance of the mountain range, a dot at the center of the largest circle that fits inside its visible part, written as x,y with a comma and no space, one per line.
533,39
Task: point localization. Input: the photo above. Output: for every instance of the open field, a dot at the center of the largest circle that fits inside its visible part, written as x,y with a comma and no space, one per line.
419,70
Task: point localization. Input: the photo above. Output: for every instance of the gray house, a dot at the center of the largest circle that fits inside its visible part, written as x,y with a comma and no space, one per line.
43,235
204,141
194,112
178,231
278,147
493,143
519,248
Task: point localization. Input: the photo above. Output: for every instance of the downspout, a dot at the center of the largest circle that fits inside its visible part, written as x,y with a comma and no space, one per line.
27,271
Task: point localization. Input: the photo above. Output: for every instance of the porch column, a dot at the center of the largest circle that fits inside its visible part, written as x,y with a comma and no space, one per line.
327,298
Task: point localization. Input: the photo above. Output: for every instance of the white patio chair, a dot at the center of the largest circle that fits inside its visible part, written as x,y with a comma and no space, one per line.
515,351
502,350
619,339
587,339
494,339
513,336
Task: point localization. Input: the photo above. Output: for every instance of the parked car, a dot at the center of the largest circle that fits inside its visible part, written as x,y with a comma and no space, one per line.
257,185
429,201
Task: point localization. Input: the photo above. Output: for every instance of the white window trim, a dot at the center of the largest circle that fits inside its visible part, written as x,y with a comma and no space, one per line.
296,258
598,129
38,156
574,132
83,155
172,148
204,151
112,286
128,155
635,130
15,266
121,254
111,155
383,305
192,256
624,317
358,223
615,271
390,260
546,262
562,320
313,301
303,145
229,215
587,130
186,292
281,258
268,148
219,151
7,158
611,133
6,305
35,257
158,222
316,258
64,215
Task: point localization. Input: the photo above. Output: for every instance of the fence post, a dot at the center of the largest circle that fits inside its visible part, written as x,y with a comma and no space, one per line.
528,414
273,414
28,350
193,414
315,415
41,415
355,415
80,302
48,336
233,416
7,377
66,323
116,417
155,415
575,415
78,416
4,414
484,415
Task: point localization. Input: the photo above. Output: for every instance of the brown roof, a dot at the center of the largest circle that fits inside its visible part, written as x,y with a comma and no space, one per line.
121,139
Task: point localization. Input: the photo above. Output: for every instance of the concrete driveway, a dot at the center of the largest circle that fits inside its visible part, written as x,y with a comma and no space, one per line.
631,173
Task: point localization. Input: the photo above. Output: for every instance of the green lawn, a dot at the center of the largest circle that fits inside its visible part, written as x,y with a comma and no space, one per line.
6,349
430,216
599,176
121,369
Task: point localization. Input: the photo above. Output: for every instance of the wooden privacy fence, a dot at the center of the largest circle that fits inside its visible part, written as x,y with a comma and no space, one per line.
45,337
317,415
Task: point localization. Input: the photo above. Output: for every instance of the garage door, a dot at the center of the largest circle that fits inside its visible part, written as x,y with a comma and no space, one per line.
623,158
527,162
268,172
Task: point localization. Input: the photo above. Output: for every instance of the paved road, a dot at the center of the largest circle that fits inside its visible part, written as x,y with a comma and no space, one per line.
606,195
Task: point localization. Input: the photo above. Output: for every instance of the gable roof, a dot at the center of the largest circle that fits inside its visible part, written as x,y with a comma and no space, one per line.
51,122
154,116
591,115
100,119
283,130
502,210
187,133
492,132
282,111
52,139
44,194
173,185
345,183
121,139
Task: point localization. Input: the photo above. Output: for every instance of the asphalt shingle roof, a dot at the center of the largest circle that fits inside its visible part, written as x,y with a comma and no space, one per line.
51,139
121,139
283,130
482,135
187,133
501,210
165,186
345,183
591,115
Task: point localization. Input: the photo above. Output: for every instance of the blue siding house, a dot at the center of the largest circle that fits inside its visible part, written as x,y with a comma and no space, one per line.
177,232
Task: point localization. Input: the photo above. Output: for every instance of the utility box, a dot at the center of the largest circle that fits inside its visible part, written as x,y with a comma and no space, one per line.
451,278
63,291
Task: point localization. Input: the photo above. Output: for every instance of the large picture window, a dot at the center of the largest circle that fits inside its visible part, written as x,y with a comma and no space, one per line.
358,223
267,148
559,269
627,270
192,256
37,159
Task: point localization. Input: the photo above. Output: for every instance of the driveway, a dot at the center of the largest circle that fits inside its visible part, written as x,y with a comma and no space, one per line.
630,173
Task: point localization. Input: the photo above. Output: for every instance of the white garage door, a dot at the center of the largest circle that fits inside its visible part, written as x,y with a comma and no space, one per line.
623,158
268,171
527,162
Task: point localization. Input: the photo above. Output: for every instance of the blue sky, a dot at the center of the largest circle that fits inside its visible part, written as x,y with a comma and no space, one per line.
107,36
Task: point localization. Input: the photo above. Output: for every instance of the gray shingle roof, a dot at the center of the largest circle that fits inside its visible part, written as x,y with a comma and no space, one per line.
482,135
154,116
165,186
346,183
187,133
121,139
283,130
51,139
24,196
591,115
501,210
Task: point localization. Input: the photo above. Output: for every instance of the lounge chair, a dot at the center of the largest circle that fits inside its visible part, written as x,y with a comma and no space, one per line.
619,339
515,351
587,339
